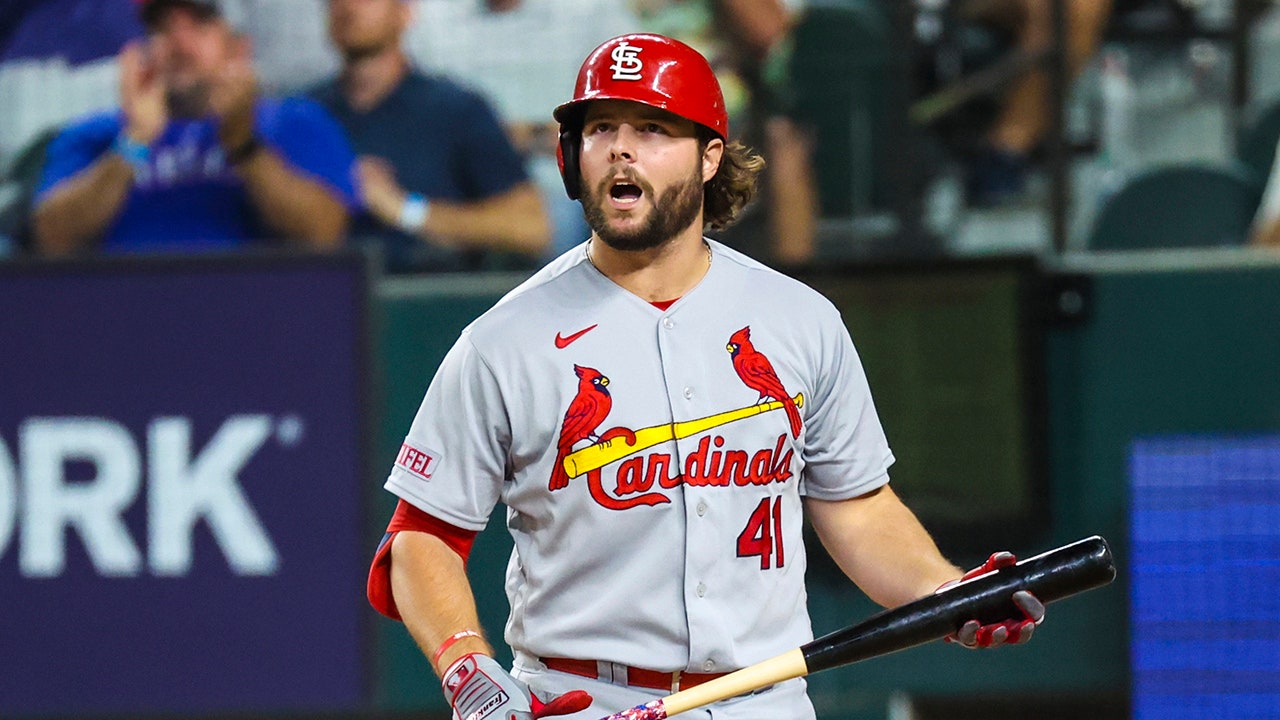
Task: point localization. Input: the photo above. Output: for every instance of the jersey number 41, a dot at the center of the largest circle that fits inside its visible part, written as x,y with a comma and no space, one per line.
762,536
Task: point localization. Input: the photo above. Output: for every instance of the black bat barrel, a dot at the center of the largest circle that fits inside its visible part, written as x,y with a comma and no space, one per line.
1057,574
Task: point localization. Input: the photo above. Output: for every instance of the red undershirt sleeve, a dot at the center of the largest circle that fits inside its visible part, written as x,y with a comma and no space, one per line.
408,517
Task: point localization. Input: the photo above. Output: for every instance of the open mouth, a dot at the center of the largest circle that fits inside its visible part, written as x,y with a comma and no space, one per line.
625,193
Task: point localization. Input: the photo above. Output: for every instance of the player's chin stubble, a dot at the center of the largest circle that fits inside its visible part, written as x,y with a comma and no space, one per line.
672,212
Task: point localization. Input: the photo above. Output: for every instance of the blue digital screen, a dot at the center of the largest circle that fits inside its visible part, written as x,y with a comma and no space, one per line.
1205,571
180,487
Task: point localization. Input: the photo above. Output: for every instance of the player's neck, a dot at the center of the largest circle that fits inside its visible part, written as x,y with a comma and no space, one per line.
662,273
368,79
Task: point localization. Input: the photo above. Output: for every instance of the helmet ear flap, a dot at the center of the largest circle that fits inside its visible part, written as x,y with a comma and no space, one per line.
568,154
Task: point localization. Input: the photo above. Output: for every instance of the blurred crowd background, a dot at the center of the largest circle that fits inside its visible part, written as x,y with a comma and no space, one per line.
915,128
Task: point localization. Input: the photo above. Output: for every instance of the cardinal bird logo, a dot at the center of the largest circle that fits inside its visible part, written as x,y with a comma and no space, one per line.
588,409
757,373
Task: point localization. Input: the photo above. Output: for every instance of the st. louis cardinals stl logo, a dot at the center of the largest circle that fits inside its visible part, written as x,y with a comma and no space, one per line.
642,478
626,62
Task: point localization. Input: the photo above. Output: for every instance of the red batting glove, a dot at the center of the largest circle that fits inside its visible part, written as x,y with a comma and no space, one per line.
1014,631
566,704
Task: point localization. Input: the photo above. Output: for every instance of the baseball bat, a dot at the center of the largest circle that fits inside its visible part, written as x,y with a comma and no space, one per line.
1051,576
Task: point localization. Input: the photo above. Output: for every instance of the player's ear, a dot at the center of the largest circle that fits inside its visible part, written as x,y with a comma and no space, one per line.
712,154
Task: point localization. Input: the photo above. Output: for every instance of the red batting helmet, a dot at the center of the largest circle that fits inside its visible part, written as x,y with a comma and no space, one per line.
644,68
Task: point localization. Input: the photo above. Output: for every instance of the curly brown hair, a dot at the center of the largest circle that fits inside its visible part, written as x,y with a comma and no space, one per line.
734,184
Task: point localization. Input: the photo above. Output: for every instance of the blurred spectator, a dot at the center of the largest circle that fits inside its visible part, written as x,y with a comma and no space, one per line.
998,171
741,38
759,29
441,184
523,54
194,158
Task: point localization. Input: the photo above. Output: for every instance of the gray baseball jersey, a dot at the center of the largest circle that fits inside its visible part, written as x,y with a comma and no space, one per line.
652,462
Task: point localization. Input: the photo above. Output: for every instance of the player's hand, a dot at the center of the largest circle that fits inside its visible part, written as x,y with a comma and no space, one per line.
477,682
1013,631
142,93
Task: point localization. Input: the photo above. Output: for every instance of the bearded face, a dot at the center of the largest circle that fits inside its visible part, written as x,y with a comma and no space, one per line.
670,212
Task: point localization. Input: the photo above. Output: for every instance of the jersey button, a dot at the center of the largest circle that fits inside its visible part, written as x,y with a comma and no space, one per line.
702,589
668,323
708,665
688,393
702,508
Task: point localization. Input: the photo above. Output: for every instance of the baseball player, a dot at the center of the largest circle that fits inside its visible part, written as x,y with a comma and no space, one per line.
657,412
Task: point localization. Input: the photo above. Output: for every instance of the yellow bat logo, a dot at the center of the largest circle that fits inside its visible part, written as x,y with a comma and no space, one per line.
594,457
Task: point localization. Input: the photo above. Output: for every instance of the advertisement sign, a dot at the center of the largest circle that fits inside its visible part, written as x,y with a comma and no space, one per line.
180,486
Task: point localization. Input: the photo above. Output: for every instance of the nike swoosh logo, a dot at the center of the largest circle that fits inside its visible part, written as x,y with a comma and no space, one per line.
563,342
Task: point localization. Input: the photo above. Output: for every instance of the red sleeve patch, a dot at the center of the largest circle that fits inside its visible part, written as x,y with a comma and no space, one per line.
408,517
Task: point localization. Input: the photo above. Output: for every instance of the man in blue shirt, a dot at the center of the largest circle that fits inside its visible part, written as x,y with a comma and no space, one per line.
194,159
441,184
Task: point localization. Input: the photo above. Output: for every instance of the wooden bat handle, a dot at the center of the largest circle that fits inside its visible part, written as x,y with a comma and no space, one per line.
763,674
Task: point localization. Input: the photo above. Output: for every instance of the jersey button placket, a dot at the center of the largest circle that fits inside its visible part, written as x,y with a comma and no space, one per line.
678,344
